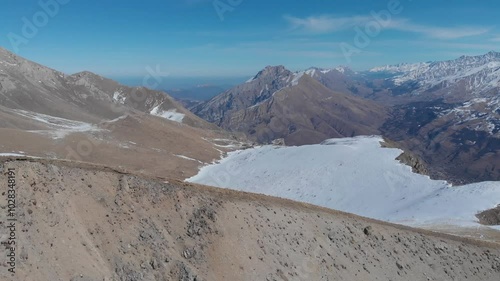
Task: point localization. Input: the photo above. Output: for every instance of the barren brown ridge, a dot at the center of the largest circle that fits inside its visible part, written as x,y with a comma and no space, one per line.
86,222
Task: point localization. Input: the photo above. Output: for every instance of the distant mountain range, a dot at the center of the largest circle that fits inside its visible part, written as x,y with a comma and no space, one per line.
193,96
448,112
477,75
197,93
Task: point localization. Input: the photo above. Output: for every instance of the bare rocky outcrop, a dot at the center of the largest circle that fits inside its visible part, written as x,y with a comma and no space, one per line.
414,162
418,166
490,217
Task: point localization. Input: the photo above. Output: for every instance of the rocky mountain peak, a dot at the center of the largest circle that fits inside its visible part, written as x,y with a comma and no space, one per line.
474,60
88,76
272,72
493,56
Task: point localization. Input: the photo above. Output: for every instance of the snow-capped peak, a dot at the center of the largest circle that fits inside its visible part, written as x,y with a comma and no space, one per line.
342,69
401,68
479,73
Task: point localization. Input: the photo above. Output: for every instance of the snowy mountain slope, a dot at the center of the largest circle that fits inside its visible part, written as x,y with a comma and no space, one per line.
483,114
401,68
479,74
355,175
447,113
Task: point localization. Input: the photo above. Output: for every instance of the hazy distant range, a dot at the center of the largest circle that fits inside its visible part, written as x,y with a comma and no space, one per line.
187,88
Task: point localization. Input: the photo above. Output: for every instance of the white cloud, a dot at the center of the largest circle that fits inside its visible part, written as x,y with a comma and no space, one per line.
328,24
323,24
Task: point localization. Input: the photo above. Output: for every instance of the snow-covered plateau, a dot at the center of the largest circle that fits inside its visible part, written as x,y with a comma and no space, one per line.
355,175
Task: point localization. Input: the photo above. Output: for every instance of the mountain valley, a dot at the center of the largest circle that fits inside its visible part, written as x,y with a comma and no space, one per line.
109,177
447,113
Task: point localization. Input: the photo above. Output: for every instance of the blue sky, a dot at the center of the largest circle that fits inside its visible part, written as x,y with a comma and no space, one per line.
191,38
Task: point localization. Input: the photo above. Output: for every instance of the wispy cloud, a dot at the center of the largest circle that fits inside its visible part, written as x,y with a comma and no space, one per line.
323,24
436,31
495,39
329,24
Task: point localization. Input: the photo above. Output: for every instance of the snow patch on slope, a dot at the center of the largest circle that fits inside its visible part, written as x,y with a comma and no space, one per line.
59,127
355,175
250,80
119,98
311,72
481,110
296,77
188,158
170,114
12,155
117,119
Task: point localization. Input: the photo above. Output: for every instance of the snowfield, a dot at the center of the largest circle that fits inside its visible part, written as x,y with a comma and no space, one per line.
354,175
